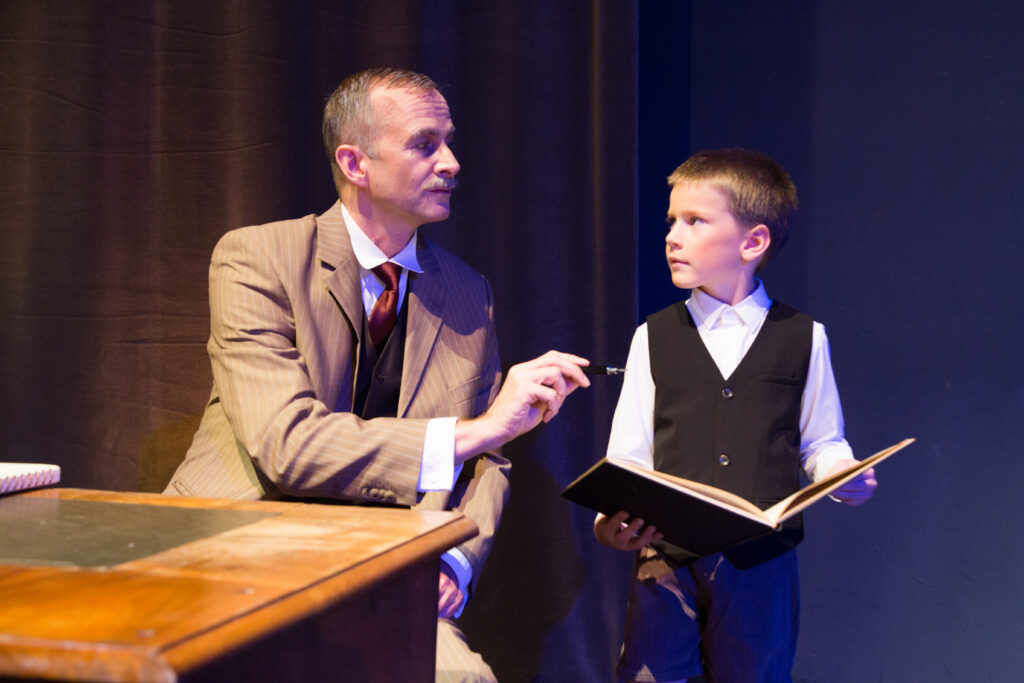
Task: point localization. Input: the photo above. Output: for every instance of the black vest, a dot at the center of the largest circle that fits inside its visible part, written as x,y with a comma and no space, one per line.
379,373
740,434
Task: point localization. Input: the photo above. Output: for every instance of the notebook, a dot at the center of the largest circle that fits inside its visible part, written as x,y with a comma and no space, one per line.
18,476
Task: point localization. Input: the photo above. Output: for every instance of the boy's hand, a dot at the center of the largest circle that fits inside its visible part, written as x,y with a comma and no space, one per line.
615,533
857,491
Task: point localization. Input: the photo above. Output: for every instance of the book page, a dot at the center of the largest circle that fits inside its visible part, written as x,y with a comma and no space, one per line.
812,493
706,492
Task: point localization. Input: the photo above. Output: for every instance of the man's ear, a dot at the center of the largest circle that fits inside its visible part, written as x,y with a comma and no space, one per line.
352,162
758,239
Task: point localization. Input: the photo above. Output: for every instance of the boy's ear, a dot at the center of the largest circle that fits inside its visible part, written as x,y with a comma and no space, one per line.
758,239
352,162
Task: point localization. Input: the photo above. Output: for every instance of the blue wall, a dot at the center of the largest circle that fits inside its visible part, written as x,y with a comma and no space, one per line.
904,132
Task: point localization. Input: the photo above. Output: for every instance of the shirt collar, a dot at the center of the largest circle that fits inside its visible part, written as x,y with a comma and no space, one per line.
369,254
707,311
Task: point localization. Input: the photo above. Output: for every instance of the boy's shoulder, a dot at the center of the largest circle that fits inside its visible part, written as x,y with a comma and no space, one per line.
780,311
777,311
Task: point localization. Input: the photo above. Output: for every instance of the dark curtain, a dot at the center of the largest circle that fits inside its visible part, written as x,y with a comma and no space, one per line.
134,134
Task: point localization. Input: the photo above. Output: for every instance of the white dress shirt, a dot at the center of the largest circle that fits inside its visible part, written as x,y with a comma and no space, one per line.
438,471
727,332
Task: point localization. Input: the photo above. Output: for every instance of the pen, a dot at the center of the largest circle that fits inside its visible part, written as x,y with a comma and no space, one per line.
602,370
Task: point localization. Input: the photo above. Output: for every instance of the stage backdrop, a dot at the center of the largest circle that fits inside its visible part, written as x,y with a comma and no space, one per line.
134,134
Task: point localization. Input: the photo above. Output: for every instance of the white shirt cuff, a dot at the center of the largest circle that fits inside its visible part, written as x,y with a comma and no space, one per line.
437,469
463,573
825,459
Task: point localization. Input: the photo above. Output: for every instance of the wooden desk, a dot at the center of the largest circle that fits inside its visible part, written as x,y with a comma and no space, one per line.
305,593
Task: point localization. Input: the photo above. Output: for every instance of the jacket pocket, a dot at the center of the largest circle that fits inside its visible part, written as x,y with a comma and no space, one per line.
183,490
466,394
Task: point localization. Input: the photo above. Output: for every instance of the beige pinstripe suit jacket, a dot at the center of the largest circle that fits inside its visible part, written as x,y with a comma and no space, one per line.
286,319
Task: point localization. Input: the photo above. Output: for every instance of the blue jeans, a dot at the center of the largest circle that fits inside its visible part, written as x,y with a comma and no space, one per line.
710,618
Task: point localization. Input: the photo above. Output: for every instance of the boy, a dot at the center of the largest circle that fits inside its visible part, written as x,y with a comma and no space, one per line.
734,390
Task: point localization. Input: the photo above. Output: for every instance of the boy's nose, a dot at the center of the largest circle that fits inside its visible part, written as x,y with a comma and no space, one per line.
674,238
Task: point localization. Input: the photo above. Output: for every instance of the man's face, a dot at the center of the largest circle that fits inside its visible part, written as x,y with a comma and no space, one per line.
705,241
413,175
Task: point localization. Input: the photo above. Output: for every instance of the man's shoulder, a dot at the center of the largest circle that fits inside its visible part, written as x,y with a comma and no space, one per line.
450,268
274,232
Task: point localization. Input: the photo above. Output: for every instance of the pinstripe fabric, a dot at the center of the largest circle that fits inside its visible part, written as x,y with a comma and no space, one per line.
455,662
286,319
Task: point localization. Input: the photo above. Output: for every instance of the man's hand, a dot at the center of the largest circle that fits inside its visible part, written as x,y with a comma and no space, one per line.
533,392
857,491
449,597
615,533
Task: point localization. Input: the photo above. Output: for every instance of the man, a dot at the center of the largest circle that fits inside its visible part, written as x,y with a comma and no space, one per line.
339,376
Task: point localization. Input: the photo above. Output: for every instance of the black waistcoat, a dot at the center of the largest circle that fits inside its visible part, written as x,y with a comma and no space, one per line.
379,377
741,434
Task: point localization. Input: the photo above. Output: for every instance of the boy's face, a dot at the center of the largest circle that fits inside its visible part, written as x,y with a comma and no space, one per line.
706,246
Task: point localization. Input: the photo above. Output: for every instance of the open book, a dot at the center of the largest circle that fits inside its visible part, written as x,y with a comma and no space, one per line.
699,518
17,476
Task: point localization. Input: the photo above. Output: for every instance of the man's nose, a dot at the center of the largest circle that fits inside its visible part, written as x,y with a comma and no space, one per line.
447,164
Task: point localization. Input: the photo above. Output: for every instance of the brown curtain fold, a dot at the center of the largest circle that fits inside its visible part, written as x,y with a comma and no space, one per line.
134,134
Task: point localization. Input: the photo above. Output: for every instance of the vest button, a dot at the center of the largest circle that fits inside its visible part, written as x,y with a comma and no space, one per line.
723,460
727,393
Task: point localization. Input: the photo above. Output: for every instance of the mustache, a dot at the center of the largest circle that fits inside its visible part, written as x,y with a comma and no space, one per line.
445,183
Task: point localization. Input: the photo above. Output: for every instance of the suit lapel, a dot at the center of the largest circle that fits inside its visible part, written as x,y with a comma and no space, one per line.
426,299
334,248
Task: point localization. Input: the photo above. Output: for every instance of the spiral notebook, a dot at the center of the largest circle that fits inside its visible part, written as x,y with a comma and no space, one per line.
18,476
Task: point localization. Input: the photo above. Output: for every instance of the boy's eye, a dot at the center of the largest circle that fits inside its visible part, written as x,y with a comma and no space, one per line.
694,220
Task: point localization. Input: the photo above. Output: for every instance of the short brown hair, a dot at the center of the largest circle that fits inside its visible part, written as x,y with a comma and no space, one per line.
757,189
349,118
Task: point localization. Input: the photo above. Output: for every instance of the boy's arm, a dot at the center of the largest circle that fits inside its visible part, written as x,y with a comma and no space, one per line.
632,440
823,446
632,433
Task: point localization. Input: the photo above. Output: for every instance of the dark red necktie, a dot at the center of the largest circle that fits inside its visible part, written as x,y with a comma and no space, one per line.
382,317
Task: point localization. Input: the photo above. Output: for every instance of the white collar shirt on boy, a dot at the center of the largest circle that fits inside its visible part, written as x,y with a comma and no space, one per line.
727,332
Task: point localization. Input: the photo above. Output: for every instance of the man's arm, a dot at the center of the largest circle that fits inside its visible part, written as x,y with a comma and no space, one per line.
279,343
533,392
268,349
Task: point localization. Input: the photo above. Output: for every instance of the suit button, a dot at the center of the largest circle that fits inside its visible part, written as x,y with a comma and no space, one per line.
381,377
723,460
727,393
